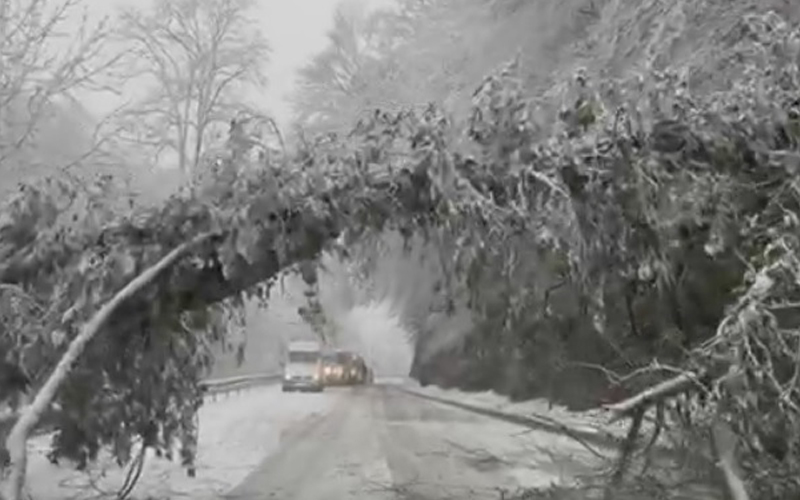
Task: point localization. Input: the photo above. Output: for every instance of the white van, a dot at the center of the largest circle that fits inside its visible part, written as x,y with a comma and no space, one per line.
303,368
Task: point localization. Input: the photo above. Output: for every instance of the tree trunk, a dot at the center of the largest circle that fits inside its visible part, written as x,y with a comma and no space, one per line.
16,442
723,440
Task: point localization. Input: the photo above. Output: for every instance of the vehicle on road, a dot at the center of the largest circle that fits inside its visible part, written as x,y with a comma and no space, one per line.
333,370
303,370
343,367
358,371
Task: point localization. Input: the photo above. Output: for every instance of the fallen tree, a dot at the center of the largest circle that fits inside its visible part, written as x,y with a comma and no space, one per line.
254,223
612,195
753,376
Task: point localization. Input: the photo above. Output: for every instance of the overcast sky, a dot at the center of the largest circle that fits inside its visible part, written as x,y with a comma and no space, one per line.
296,29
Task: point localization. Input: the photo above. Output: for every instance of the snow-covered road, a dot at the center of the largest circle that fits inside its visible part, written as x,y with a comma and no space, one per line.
381,443
372,442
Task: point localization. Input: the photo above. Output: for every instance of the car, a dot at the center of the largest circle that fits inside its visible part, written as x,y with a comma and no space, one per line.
333,371
342,367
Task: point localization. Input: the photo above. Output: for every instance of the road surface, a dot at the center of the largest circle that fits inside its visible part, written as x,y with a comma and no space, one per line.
377,442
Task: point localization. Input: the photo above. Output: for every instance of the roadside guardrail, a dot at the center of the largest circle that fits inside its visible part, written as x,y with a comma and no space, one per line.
222,387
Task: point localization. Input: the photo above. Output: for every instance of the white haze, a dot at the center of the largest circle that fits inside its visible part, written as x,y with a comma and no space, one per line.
374,330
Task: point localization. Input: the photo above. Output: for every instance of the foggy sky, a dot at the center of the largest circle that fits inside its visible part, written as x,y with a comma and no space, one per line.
295,29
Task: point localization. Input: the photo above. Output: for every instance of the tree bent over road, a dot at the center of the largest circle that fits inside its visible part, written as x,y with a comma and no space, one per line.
595,196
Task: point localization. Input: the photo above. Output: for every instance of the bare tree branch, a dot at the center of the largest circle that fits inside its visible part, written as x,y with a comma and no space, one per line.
43,64
192,54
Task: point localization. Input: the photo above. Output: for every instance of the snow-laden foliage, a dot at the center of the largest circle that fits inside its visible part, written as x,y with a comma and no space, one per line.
642,185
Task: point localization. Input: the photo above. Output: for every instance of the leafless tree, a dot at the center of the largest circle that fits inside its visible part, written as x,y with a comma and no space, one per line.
46,60
193,56
335,79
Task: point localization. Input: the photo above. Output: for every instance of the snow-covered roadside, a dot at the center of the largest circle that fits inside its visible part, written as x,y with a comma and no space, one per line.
547,451
596,420
519,459
236,434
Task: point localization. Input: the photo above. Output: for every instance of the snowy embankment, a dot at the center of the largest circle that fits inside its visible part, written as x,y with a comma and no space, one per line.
236,434
596,420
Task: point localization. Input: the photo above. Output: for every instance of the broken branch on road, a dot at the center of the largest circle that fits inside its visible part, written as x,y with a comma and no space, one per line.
679,384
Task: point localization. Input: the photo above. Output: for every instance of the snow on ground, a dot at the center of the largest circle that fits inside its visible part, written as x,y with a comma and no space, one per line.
592,420
236,433
523,458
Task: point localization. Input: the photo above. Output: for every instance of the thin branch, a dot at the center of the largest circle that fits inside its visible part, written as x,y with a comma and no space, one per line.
668,388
